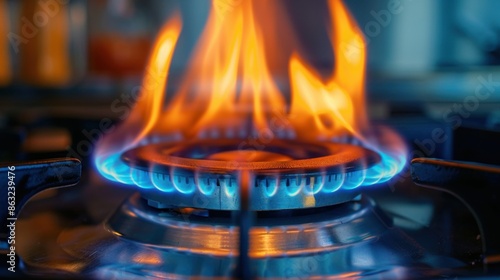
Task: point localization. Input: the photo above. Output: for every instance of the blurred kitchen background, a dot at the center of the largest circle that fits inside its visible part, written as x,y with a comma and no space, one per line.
64,62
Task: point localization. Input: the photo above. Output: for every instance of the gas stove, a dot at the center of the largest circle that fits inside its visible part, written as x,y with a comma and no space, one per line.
230,171
428,227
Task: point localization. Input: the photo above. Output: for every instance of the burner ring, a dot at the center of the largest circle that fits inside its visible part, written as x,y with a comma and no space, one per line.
286,174
209,156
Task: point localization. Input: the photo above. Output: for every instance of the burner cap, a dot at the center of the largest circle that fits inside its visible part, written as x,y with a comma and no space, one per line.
286,174
228,156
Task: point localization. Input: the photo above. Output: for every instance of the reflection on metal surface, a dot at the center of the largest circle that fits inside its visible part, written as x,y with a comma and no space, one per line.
32,177
345,241
322,231
90,250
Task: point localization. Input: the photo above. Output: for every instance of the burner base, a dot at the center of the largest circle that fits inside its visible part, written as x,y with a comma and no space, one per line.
274,234
353,239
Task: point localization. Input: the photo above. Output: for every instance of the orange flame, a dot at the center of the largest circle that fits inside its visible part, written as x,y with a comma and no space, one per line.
237,84
336,106
230,82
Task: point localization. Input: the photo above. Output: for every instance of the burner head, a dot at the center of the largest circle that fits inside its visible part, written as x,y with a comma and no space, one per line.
285,174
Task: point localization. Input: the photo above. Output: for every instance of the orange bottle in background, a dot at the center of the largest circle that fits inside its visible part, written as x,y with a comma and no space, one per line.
5,65
120,38
44,54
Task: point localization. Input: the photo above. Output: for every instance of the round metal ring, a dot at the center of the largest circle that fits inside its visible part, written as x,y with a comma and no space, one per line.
293,157
285,174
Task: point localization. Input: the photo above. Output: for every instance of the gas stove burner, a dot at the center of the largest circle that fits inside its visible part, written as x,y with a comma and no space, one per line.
285,174
349,240
275,233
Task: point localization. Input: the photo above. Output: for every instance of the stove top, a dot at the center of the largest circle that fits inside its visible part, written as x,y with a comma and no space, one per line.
422,224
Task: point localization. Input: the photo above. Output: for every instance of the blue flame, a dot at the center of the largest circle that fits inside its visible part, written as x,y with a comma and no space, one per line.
392,162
